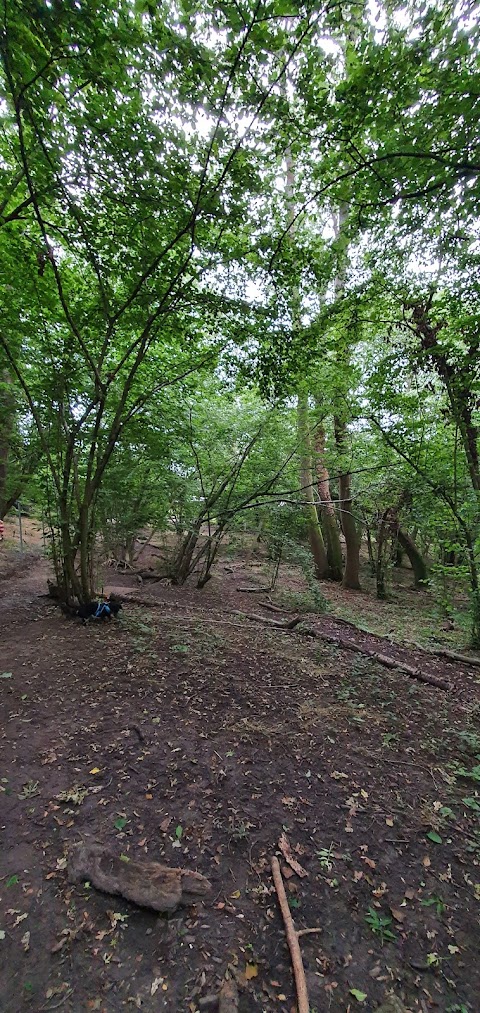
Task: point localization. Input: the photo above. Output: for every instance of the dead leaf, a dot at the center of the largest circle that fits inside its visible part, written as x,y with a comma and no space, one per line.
94,770
368,861
251,971
337,775
25,941
389,821
397,914
426,862
357,876
286,850
409,893
236,894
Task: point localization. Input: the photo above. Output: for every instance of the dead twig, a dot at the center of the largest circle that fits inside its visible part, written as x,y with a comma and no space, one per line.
292,940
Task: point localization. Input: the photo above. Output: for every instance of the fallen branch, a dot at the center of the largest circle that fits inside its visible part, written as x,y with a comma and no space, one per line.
290,625
383,659
445,652
255,590
292,940
272,608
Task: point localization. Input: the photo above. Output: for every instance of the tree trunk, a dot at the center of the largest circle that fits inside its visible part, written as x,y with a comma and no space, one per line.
7,407
381,547
371,555
327,509
315,536
351,575
183,561
417,561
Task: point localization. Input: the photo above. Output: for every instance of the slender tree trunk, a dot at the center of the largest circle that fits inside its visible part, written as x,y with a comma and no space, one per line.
315,536
381,547
327,509
371,554
351,575
7,407
417,561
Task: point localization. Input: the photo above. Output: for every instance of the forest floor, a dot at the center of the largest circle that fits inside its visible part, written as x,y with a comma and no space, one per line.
190,734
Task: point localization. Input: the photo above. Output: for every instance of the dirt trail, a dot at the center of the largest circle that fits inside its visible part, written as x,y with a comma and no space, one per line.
186,734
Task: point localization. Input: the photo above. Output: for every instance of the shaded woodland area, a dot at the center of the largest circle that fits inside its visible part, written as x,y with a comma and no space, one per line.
240,504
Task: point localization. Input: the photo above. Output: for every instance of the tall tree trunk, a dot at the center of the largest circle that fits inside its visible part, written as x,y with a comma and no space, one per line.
381,552
327,509
7,407
315,536
351,575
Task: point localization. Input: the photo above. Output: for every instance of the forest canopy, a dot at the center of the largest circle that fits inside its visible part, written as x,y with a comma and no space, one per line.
240,286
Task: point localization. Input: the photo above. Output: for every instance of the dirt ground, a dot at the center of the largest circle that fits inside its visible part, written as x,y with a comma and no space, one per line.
190,734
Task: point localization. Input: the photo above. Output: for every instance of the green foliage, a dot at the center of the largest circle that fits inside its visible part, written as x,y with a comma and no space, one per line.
380,925
165,296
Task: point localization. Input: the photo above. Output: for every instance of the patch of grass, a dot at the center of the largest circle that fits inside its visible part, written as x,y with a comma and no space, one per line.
307,601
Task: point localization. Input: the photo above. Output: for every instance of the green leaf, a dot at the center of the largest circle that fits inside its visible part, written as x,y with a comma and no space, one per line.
361,996
6,675
124,858
433,836
178,831
285,8
11,881
119,824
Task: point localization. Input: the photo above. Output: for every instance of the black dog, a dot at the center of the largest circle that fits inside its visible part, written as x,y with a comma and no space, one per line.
94,609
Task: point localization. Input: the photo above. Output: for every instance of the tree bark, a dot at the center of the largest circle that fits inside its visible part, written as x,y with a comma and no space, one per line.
315,537
327,509
351,574
7,406
417,561
381,546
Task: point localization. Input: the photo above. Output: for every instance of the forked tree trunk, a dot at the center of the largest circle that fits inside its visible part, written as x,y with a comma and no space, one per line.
327,509
181,566
315,536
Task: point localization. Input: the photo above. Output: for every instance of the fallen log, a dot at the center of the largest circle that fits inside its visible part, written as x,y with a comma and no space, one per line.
383,659
148,884
445,652
275,623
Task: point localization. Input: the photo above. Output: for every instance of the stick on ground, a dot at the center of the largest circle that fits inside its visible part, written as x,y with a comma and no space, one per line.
292,940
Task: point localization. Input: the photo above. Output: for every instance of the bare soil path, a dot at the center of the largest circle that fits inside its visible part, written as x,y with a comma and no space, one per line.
186,734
